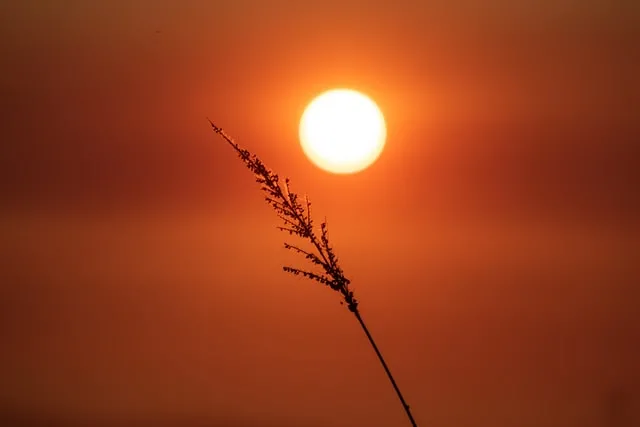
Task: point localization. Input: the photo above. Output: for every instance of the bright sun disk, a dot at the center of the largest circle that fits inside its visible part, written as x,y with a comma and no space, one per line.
342,131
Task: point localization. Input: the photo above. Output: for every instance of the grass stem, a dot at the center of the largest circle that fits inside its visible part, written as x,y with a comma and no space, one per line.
297,221
386,368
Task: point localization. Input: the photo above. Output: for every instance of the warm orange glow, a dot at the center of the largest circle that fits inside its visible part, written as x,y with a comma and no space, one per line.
342,131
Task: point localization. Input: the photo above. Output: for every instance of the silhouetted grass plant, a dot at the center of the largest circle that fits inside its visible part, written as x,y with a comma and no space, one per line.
295,214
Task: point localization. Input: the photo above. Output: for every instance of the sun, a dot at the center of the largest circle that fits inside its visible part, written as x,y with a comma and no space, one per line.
342,131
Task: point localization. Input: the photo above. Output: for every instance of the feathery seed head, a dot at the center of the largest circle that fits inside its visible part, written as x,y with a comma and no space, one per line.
296,218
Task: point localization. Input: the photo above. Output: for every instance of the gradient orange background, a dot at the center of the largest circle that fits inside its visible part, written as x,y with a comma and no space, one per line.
494,246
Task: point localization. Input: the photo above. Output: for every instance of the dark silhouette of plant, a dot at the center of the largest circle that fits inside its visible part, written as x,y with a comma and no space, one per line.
296,217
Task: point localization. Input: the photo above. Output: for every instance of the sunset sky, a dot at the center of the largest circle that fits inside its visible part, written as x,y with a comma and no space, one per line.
494,246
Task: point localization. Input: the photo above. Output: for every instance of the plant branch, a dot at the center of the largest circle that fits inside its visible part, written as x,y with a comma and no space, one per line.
296,218
386,368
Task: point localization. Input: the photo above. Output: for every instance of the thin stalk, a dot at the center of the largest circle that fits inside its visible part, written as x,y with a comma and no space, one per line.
386,368
297,221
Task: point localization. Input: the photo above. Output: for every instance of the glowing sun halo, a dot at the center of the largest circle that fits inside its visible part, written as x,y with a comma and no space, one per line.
342,131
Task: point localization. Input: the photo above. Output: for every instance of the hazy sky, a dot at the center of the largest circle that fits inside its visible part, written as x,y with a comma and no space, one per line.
494,246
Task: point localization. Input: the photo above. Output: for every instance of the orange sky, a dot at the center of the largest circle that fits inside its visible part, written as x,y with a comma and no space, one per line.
493,245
